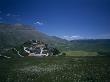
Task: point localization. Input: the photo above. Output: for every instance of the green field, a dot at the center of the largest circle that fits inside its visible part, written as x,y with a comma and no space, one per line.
81,53
55,69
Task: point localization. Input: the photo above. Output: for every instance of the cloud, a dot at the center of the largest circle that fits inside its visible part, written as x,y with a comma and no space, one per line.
12,15
38,23
15,17
74,37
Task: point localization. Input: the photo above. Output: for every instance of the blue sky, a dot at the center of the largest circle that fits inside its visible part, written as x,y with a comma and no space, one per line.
69,19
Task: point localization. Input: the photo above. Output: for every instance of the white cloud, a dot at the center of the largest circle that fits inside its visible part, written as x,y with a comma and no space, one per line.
38,23
74,37
65,36
12,15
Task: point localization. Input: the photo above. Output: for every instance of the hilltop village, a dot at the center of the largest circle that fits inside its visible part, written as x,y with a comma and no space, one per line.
37,48
31,48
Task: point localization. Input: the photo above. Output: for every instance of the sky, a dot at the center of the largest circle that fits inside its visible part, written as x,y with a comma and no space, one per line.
68,19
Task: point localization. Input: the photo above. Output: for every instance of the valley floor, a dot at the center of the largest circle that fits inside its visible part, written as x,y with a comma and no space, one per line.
55,69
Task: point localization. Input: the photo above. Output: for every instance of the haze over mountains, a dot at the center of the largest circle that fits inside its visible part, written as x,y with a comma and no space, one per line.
15,34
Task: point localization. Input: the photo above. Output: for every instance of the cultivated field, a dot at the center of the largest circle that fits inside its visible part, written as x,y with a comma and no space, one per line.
55,69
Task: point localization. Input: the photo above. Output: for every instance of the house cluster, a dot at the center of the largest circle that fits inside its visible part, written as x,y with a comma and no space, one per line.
32,48
36,48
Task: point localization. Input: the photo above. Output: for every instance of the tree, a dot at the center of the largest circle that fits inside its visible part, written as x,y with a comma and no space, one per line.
54,51
63,54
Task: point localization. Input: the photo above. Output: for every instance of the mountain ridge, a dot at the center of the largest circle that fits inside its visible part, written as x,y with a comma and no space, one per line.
14,34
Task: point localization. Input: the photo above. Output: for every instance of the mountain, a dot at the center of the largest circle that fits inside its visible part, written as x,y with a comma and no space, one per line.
101,46
12,35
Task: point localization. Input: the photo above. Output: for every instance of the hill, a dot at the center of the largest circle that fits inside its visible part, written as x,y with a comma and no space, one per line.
12,35
91,44
91,47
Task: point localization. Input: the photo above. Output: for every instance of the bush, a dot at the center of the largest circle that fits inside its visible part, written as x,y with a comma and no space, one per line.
63,54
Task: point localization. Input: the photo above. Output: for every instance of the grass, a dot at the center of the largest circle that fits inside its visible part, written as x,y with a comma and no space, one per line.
55,69
81,53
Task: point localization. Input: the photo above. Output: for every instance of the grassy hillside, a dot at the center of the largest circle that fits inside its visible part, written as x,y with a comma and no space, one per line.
13,35
98,47
91,45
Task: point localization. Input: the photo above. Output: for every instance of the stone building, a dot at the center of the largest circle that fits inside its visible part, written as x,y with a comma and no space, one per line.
37,48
